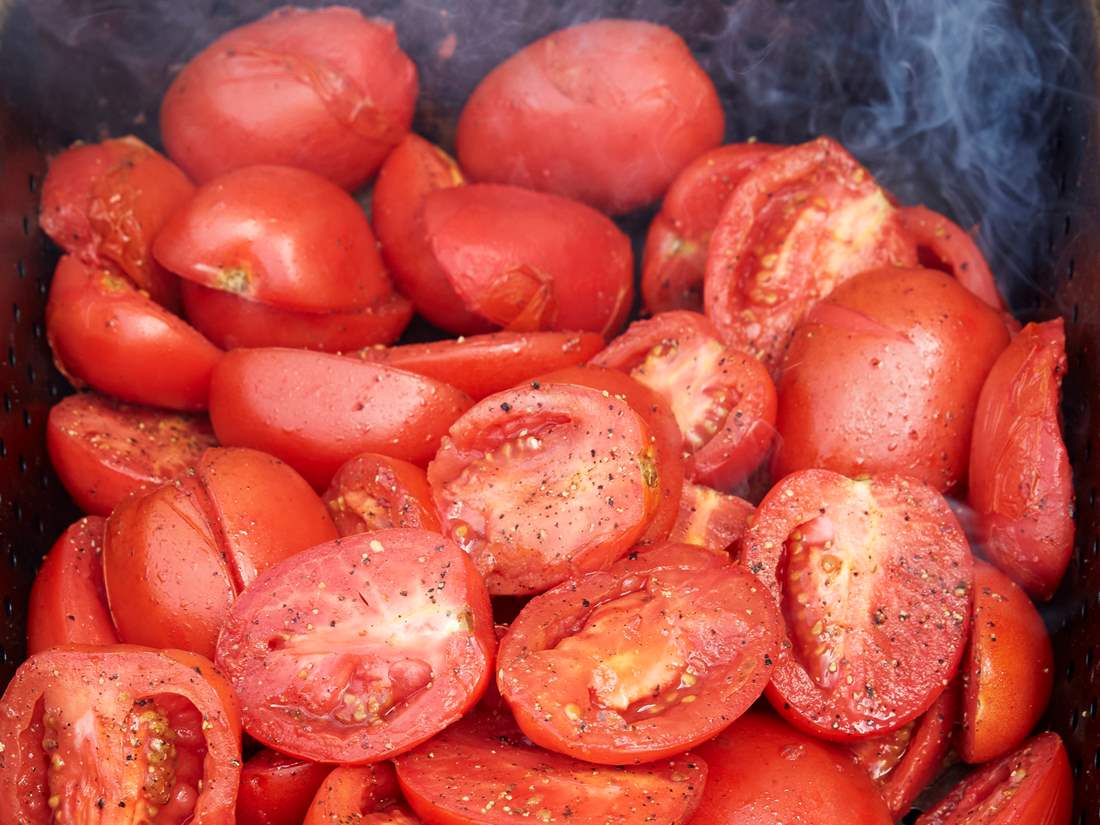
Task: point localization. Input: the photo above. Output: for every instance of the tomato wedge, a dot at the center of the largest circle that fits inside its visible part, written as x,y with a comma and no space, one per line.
643,661
373,492
154,732
359,794
277,789
483,771
361,648
874,579
710,519
801,222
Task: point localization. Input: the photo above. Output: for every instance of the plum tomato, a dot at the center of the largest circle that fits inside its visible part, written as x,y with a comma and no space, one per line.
710,519
277,789
373,492
359,794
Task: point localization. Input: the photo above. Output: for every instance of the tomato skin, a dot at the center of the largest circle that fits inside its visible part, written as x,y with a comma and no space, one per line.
103,450
68,603
607,112
1021,483
675,258
315,411
277,789
711,519
105,202
105,334
351,793
326,90
920,346
764,771
374,492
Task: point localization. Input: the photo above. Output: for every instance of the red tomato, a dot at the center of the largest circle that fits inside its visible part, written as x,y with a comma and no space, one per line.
1021,484
233,322
874,579
359,794
105,202
675,258
393,629
277,789
801,222
545,481
373,492
764,772
521,259
326,90
68,604
481,365
724,400
177,556
105,334
1033,786
1008,672
316,411
607,112
884,376
641,662
483,771
710,519
103,450
156,732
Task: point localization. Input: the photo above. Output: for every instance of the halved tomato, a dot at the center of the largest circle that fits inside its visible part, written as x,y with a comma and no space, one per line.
361,648
359,794
277,789
874,579
103,449
483,771
710,519
373,492
641,662
118,734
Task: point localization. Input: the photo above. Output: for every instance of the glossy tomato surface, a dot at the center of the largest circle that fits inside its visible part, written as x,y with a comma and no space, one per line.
374,492
277,789
359,794
710,519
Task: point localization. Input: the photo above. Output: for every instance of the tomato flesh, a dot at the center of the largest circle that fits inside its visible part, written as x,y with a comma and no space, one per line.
373,492
710,519
277,789
360,794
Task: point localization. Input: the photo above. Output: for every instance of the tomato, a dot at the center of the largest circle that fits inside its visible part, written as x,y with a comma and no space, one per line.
68,604
764,772
1021,483
103,450
544,481
1008,672
481,365
884,376
234,322
641,662
710,519
675,258
483,771
520,259
607,112
277,789
724,400
105,202
316,411
801,222
326,90
373,492
155,732
874,580
359,794
904,761
1032,786
393,629
176,557
106,334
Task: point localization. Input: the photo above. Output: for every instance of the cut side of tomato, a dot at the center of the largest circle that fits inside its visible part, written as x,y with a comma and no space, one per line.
359,795
374,492
710,519
277,789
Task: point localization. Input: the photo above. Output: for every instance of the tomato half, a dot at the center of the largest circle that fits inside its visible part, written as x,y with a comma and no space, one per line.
1021,482
675,258
103,449
106,334
764,772
327,90
1032,786
277,789
105,202
723,399
373,492
316,411
68,603
873,577
481,365
643,661
359,794
801,222
710,519
483,771
87,730
361,648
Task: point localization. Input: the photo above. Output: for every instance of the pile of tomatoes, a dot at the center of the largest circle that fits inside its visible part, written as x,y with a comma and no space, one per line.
505,576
